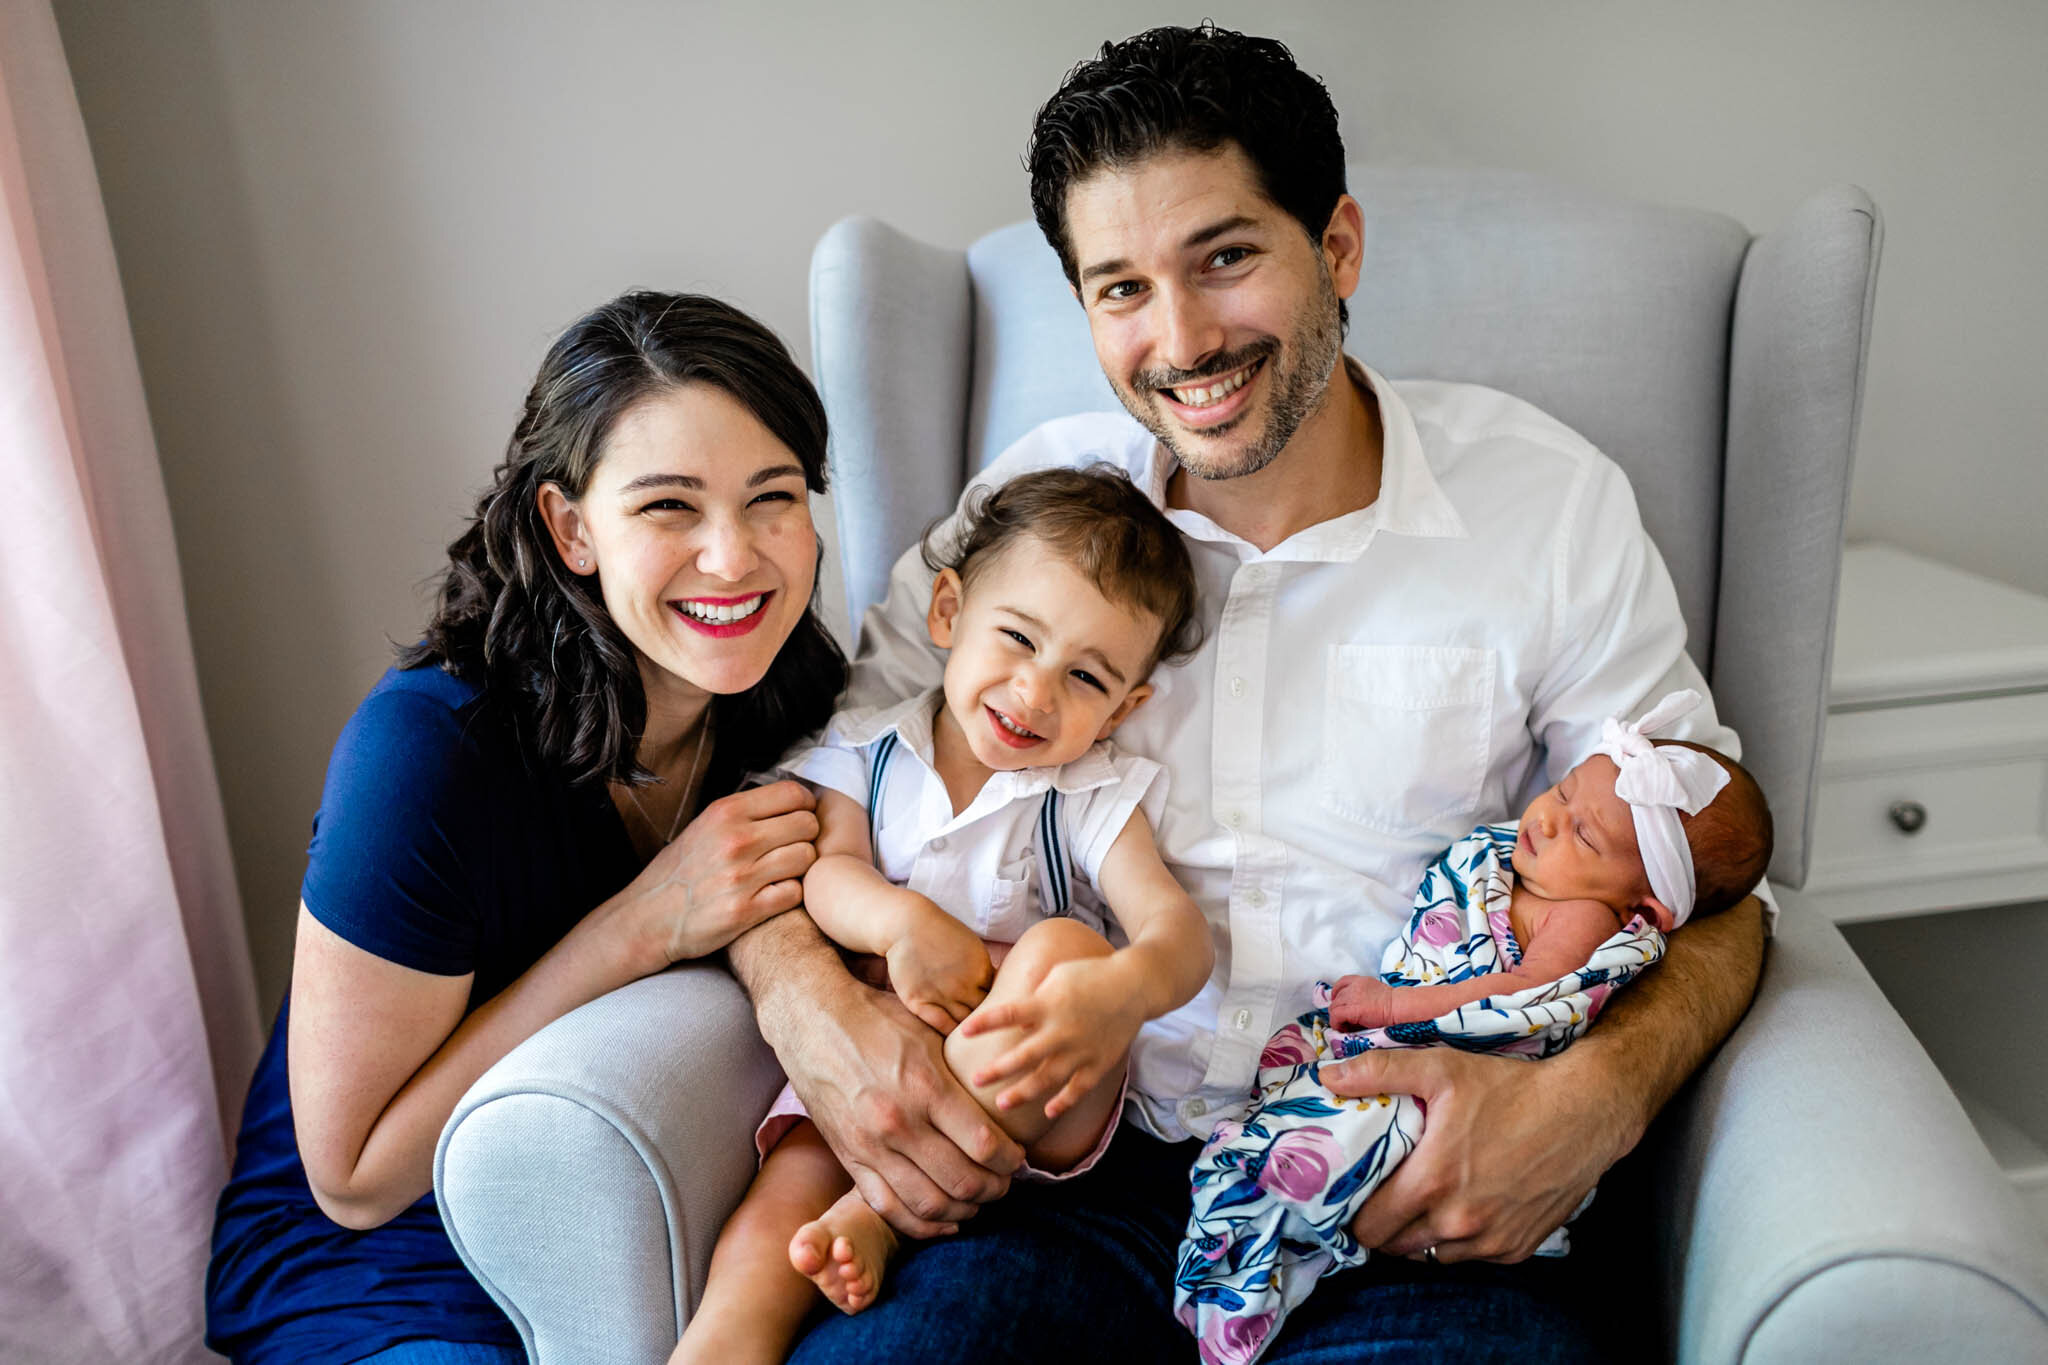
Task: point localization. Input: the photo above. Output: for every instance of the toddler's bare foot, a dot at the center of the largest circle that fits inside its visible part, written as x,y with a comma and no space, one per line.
845,1252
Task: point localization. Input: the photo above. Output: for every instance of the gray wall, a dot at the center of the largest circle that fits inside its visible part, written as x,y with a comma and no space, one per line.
348,230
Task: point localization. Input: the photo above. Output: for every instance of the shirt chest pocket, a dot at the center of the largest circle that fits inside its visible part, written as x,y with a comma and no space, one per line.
1406,735
1012,900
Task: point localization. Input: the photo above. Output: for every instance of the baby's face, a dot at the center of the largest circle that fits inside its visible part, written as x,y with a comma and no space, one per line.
1577,841
1042,664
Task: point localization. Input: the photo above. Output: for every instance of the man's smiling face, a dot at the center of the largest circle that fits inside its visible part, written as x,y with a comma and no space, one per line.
1214,316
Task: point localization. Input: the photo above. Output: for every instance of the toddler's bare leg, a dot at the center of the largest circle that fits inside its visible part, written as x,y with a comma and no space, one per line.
1051,1144
754,1300
845,1252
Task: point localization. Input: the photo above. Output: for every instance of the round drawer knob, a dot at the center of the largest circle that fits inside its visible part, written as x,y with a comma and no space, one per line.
1909,817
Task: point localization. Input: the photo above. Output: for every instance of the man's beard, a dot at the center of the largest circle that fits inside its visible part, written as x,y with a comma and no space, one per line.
1295,392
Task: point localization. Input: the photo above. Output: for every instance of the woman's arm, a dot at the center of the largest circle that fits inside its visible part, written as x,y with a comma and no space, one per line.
379,1054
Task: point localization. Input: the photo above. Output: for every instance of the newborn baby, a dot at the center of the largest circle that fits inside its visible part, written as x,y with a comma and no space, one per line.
1519,934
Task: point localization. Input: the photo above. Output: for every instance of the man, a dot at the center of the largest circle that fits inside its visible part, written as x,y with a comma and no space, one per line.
1421,600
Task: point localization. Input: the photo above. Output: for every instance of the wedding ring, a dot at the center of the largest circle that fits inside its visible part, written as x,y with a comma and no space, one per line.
1429,1254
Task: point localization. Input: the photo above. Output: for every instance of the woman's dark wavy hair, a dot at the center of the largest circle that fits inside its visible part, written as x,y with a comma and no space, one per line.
535,637
1188,89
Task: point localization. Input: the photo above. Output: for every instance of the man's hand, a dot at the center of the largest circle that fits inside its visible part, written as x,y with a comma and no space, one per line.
1077,1024
1508,1152
1510,1148
918,1146
938,966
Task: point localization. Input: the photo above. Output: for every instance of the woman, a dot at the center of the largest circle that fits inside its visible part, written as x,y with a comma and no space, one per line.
515,820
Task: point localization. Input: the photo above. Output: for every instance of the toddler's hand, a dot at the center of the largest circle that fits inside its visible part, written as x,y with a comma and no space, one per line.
1077,1025
1360,1002
940,969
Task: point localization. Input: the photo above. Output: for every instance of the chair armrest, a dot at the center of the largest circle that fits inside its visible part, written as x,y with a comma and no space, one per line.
1822,1196
585,1177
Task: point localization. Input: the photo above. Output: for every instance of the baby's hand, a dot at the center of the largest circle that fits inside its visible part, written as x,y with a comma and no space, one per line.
1359,1002
940,968
1077,1025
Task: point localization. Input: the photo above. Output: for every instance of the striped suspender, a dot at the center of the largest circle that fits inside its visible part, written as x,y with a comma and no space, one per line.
876,779
1052,855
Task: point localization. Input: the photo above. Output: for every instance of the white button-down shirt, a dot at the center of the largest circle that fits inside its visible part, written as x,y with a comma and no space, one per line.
1366,692
982,865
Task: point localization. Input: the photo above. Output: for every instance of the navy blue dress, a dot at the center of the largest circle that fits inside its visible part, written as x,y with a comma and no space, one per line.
440,845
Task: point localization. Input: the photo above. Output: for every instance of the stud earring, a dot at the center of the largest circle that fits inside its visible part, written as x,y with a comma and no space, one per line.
582,563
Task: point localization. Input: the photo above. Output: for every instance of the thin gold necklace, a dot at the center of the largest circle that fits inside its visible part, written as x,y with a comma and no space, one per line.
683,800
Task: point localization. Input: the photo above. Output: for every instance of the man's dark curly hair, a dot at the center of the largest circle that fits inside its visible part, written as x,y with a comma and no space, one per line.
537,638
1188,89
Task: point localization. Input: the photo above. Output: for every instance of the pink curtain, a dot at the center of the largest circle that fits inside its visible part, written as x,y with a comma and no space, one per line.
128,1023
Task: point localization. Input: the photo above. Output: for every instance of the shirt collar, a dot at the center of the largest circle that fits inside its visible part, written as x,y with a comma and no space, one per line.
1410,501
911,720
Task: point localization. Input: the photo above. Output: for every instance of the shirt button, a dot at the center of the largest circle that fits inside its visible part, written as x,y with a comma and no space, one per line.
1243,1020
1255,898
937,845
1237,687
1234,819
1197,1108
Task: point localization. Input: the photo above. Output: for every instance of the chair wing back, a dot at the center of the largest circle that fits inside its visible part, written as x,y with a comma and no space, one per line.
1712,384
892,349
1801,339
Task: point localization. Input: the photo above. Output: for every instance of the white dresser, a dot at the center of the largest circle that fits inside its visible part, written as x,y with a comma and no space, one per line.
1934,801
1934,775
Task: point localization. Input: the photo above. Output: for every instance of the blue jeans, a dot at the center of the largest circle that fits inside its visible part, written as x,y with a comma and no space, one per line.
445,1353
1084,1271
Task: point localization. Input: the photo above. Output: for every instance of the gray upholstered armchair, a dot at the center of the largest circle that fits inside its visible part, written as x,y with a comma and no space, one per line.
1821,1195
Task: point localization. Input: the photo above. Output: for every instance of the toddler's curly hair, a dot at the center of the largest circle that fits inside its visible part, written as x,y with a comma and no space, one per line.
1097,520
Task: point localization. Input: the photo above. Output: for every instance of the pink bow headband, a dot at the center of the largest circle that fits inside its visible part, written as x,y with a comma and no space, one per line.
1659,783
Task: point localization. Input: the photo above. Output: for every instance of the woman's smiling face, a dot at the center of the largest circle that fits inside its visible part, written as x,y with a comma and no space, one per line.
697,524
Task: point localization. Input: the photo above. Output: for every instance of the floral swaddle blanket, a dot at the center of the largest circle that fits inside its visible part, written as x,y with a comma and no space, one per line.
1275,1191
